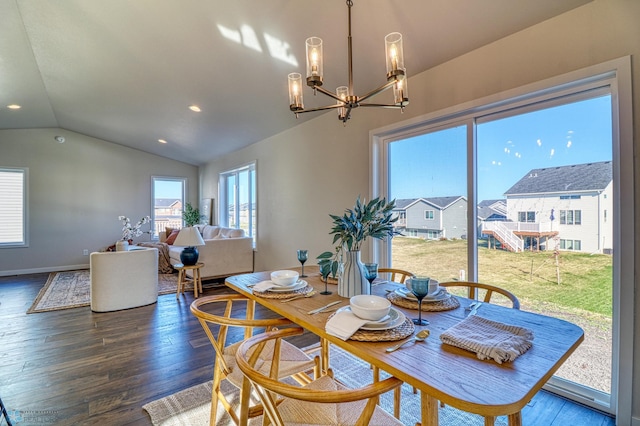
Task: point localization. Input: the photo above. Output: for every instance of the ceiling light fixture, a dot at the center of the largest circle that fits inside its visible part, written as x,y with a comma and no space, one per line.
346,99
162,141
14,106
195,108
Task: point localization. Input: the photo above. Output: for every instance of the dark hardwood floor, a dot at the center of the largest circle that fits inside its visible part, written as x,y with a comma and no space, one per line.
76,367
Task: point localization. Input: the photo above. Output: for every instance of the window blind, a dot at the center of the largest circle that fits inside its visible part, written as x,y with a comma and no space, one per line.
12,207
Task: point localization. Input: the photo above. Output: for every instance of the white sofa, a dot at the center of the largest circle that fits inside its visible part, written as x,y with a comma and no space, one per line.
123,279
227,251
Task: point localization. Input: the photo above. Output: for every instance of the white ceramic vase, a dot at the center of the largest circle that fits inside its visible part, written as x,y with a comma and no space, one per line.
353,280
122,245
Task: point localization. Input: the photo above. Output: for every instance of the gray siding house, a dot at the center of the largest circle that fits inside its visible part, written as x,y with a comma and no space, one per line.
433,218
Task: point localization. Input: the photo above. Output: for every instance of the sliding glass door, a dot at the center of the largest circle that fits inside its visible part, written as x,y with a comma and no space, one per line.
526,195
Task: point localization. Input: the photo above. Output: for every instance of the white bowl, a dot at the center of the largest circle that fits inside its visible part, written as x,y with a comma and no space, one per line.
369,307
284,278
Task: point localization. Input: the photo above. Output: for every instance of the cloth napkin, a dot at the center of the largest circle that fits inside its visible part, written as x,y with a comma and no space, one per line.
343,324
264,286
489,339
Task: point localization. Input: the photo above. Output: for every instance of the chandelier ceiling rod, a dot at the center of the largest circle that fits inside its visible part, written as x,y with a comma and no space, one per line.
344,95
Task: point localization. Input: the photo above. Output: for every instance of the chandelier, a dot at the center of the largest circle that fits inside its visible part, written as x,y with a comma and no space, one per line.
346,100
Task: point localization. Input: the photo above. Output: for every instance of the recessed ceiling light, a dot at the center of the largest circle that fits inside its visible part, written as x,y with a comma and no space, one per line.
194,108
14,106
162,141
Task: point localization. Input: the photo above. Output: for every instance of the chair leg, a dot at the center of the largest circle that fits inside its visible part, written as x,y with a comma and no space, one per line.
489,421
214,395
515,419
397,393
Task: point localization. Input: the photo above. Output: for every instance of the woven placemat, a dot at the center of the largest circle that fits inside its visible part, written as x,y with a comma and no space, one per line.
442,305
397,333
283,294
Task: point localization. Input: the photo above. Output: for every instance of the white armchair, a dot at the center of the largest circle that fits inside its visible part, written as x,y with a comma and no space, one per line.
123,279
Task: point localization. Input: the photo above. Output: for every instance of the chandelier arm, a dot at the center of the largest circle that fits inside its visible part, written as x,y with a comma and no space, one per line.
385,105
380,89
318,108
328,93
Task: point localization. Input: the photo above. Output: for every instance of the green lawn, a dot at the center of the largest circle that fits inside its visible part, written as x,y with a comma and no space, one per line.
585,280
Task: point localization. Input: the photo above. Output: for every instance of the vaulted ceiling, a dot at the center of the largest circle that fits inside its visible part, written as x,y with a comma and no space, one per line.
126,71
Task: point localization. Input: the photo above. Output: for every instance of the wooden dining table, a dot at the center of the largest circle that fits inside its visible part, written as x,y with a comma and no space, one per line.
441,372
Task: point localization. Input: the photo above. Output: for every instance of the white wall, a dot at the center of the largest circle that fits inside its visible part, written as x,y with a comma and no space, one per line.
320,167
77,190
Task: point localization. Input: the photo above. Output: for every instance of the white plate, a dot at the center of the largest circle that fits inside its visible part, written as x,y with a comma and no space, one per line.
395,319
297,286
407,294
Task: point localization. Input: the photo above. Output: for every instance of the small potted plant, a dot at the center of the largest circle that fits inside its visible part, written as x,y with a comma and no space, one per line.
374,219
191,215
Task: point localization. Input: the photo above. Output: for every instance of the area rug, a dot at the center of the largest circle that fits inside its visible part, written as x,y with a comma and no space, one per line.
191,406
70,289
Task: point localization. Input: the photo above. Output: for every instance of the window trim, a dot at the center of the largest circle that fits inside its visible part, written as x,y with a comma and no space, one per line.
185,183
24,171
252,167
614,77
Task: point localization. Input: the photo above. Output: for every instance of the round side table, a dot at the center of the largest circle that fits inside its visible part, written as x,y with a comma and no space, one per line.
183,280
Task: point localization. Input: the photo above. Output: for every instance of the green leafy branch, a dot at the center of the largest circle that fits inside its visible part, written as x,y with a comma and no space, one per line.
374,219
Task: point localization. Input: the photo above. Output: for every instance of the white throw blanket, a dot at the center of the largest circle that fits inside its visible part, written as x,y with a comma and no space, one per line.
489,339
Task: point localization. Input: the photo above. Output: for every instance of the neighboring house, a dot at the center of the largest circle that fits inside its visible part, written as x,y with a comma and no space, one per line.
491,210
433,218
168,213
571,203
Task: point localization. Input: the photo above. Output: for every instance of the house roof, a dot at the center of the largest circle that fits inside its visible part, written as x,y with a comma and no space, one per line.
564,179
439,202
165,202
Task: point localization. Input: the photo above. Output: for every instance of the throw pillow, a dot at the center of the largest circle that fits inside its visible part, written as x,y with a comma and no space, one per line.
172,237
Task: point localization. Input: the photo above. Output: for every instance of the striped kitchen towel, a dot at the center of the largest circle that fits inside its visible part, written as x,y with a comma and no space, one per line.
489,339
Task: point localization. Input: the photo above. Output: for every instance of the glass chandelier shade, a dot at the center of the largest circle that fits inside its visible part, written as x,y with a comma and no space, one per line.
345,98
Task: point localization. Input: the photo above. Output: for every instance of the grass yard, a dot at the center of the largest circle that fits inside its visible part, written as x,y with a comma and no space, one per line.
585,280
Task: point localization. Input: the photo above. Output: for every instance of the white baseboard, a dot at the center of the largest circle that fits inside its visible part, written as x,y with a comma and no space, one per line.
41,270
635,421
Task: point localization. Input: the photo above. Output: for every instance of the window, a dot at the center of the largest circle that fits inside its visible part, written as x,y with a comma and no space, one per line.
529,217
570,197
168,202
13,207
570,217
238,199
428,214
570,245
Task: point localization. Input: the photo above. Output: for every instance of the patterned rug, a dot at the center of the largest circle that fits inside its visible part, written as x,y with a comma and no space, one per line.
191,406
70,289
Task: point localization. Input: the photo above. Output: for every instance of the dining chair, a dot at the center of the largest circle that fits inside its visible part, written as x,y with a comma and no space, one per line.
475,290
216,315
324,401
398,276
487,291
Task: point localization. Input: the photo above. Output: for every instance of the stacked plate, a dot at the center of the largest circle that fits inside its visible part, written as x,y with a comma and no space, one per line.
297,285
441,294
393,320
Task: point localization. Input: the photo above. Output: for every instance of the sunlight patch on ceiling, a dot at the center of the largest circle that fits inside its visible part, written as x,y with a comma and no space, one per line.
247,37
278,49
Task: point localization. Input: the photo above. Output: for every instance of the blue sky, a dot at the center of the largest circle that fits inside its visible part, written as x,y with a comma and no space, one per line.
434,165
